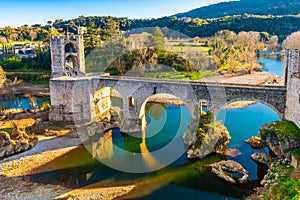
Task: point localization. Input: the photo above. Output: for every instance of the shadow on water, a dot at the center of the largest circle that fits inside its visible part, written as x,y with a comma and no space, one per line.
183,179
193,178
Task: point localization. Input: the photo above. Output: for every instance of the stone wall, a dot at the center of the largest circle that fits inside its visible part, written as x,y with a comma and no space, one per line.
102,103
292,62
71,100
74,99
58,53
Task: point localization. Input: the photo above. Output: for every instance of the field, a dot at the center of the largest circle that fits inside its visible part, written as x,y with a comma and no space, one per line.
179,75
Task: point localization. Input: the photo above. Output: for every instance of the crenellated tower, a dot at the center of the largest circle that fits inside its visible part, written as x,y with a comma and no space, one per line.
67,56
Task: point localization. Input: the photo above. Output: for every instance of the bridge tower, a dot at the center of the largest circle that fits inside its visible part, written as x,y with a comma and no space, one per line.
292,81
67,56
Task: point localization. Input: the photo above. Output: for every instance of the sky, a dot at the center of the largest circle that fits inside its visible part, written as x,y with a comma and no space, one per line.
19,12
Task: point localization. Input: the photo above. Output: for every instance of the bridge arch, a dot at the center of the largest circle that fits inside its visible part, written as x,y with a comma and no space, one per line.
72,65
155,105
105,101
222,106
169,94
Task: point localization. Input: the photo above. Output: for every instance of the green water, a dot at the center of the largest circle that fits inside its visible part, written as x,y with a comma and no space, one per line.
183,179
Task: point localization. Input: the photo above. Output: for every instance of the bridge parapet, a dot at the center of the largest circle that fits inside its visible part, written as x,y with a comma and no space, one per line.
72,96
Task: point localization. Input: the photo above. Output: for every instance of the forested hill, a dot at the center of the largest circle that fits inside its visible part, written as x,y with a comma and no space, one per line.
281,26
258,7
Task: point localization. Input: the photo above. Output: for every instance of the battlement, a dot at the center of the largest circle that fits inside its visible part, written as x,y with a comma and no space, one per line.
67,37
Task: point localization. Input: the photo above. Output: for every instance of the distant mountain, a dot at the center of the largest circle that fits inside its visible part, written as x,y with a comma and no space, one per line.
258,7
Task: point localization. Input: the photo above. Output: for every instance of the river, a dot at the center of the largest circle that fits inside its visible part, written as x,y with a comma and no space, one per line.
182,179
23,103
274,66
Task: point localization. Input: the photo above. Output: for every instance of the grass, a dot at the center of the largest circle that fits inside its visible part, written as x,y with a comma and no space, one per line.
283,129
189,49
30,78
8,130
297,153
287,128
179,75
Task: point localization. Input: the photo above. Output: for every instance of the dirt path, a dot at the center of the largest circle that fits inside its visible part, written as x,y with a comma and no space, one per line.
254,78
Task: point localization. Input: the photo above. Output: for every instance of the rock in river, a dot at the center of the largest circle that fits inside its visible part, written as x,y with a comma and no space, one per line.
225,169
256,142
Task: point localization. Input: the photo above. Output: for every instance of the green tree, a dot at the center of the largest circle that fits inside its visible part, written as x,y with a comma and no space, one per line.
91,37
49,22
157,39
111,28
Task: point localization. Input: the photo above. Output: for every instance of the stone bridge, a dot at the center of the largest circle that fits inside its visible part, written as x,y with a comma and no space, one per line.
73,99
75,96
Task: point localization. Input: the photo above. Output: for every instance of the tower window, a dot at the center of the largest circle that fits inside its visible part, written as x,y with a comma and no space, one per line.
70,48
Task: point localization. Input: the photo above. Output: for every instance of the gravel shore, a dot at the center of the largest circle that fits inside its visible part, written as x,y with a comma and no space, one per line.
16,184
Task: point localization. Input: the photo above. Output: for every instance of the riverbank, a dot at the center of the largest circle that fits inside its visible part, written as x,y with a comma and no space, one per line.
239,104
15,172
32,90
256,78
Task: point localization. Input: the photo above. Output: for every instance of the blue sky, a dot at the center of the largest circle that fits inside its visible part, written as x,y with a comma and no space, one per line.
19,12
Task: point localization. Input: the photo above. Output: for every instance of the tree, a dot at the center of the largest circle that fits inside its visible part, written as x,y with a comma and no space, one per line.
49,22
233,53
272,42
14,36
32,35
91,37
54,31
111,27
3,40
292,41
2,77
157,39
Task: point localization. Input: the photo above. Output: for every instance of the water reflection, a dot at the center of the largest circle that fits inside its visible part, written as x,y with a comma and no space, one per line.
103,148
190,179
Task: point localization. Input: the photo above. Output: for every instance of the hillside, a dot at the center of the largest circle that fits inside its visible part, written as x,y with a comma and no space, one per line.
258,7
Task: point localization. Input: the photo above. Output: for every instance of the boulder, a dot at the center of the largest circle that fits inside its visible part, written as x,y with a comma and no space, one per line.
262,158
130,126
225,169
281,138
256,142
215,140
37,128
16,142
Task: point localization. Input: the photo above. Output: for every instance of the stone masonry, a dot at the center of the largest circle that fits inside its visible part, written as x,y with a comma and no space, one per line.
64,48
73,98
292,71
